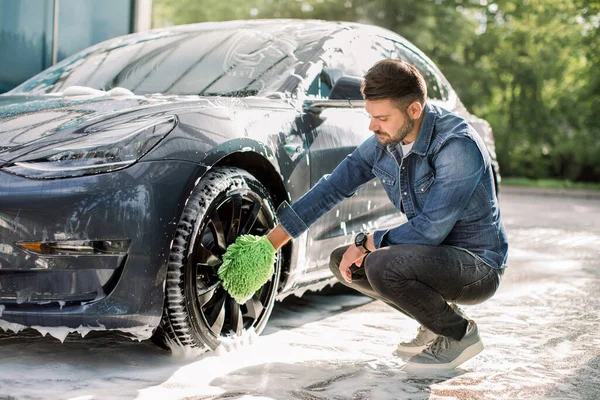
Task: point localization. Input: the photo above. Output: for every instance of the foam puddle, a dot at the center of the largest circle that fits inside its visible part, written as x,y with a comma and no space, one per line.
326,347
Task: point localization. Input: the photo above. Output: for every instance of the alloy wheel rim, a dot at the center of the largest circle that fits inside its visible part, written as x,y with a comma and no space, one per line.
232,215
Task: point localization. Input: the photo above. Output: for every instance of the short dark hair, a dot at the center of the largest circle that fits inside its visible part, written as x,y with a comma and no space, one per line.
396,80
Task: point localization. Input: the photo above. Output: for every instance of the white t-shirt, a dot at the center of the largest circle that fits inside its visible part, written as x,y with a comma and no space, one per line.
405,148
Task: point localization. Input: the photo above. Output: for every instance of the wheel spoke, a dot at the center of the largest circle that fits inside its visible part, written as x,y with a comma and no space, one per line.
216,316
254,307
236,215
237,320
207,257
218,231
251,219
261,222
206,294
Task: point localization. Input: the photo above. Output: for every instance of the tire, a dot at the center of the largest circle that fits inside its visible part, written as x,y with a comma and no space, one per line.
198,312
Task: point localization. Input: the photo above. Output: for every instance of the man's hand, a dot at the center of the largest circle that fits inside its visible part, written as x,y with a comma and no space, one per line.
354,255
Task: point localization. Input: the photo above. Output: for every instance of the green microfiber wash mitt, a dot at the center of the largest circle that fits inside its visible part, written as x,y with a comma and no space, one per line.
247,265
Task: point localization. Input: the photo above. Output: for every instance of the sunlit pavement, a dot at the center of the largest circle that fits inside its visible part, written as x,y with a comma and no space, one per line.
541,333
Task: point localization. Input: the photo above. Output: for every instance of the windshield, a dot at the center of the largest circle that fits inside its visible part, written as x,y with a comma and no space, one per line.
228,62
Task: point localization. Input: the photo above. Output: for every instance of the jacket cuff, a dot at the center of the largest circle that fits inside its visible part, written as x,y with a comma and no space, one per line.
378,237
290,221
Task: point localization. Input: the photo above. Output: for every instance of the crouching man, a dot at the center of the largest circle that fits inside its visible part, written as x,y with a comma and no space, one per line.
452,250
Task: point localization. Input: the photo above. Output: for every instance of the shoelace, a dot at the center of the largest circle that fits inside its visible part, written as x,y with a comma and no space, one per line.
441,343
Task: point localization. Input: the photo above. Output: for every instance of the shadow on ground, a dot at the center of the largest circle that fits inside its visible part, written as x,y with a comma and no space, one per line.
583,384
293,312
320,380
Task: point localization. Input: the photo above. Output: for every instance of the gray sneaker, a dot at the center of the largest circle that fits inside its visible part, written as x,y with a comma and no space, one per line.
446,353
423,339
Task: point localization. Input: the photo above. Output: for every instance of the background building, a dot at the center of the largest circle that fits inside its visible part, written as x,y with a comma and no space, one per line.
36,34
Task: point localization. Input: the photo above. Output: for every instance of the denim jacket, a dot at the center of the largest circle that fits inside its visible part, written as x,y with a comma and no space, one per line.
445,186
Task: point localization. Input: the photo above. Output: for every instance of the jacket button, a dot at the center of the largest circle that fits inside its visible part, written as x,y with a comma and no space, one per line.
422,189
405,193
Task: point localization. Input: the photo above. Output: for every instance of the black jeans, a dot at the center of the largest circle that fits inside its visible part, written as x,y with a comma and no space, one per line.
420,280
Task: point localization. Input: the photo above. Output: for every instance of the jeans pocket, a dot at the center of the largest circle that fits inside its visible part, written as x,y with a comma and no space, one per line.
478,291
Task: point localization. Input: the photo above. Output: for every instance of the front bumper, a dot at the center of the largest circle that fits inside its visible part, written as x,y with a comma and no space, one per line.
123,290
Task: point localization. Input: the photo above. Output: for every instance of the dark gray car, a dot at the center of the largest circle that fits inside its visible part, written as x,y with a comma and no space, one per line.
127,169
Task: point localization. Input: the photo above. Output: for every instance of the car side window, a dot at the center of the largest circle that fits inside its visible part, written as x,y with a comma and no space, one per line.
361,52
437,88
321,85
350,53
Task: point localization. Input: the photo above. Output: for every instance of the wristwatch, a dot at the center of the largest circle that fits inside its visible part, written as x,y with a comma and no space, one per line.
360,241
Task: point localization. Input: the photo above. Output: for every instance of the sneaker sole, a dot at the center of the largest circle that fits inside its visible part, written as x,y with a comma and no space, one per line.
467,354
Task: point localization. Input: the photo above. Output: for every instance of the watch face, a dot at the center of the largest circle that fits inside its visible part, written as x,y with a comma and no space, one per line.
359,240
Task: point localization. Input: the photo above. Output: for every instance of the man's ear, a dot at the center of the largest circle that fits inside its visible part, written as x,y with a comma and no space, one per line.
415,109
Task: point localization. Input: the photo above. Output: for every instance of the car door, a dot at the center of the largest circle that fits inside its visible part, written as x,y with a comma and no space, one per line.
337,128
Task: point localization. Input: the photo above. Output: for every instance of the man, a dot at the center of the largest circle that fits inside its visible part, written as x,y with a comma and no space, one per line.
452,249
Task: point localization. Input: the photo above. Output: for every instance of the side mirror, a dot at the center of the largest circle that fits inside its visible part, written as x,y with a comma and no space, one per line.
346,88
345,93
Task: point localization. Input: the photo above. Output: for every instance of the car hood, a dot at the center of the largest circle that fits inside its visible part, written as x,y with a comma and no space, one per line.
31,122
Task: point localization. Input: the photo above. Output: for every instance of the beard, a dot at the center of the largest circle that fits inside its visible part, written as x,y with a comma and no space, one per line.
387,139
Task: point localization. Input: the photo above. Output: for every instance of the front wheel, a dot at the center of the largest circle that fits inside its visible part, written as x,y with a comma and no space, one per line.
198,312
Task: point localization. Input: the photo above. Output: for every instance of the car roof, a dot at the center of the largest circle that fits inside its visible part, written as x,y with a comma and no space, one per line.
296,29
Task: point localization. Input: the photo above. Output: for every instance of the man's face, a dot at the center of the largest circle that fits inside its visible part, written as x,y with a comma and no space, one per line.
388,122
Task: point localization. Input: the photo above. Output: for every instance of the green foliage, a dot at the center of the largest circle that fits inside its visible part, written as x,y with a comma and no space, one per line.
550,183
530,67
540,69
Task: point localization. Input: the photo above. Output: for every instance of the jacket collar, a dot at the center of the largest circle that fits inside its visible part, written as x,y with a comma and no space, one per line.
425,131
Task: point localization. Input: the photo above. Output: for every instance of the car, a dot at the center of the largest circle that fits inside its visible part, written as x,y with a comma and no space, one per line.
128,168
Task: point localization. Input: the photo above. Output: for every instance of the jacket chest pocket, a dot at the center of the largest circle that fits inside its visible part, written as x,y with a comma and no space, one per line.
385,177
389,185
422,186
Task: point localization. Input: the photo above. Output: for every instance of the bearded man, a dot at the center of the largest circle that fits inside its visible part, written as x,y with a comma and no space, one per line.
452,250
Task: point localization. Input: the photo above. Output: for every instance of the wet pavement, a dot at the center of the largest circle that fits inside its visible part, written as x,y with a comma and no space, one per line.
541,332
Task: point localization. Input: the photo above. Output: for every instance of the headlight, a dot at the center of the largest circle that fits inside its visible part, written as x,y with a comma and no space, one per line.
77,247
106,147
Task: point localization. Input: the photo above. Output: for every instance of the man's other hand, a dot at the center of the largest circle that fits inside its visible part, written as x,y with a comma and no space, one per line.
353,255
